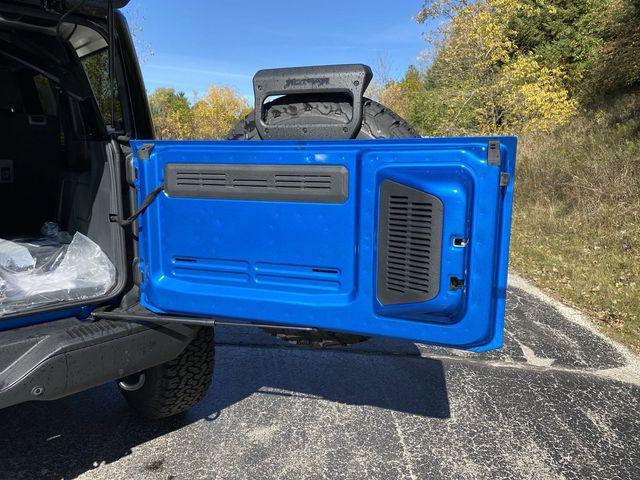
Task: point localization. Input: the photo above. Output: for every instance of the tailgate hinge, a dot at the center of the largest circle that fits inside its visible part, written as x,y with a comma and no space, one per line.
494,158
144,152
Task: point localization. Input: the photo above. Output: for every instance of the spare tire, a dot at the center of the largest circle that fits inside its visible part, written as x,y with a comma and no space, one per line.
377,122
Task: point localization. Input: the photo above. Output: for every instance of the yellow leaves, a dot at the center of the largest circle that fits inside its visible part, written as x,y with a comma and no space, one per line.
477,37
396,98
480,82
211,117
533,97
217,112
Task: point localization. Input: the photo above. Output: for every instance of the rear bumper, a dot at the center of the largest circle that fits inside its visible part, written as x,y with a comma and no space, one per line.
49,361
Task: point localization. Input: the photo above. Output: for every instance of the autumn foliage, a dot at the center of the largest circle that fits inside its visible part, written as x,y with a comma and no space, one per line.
209,117
514,66
564,75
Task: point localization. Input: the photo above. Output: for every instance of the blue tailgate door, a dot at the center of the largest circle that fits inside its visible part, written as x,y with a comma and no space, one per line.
400,238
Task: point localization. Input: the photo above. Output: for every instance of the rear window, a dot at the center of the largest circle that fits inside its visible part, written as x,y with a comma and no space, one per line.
96,66
46,95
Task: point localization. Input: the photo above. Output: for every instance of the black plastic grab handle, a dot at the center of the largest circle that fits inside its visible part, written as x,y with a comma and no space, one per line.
351,79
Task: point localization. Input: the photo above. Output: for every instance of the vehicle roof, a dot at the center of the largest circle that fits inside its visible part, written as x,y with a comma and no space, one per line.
88,7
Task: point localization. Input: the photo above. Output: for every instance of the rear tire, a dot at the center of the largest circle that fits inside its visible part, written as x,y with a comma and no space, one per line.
173,387
377,122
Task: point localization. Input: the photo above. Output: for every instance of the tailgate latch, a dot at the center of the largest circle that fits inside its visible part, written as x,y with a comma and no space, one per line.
493,153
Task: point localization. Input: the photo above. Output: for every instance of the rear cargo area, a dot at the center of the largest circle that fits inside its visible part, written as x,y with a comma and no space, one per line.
51,269
57,244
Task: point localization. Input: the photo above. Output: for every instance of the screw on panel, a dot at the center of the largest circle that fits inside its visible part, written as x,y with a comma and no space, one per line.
37,391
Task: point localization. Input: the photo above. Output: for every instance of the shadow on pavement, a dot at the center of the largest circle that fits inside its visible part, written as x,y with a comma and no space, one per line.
406,384
67,437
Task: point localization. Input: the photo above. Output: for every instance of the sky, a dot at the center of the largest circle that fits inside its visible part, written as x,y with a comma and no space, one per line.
196,43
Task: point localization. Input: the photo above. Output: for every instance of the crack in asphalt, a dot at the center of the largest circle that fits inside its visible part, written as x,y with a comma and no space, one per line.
559,400
406,455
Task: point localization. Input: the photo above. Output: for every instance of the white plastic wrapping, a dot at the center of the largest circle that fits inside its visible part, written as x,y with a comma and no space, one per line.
60,273
15,256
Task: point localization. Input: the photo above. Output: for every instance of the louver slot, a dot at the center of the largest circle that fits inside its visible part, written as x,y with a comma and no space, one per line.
292,183
195,178
322,182
410,240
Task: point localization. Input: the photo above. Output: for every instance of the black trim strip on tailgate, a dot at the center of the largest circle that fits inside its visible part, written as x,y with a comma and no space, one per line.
276,183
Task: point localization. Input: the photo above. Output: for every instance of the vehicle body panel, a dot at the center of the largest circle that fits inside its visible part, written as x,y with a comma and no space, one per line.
306,262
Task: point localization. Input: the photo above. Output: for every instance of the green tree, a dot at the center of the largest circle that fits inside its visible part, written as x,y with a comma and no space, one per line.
171,112
481,80
399,95
96,66
615,64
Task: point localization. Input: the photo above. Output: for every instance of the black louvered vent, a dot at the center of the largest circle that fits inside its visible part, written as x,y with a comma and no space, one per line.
321,182
189,177
294,183
250,182
410,242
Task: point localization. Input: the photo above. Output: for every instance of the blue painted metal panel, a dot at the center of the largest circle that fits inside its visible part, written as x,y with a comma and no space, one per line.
314,264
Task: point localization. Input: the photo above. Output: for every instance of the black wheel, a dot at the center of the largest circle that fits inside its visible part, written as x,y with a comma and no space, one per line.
377,122
174,386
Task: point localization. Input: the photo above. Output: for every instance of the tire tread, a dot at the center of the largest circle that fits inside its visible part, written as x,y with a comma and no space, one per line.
175,386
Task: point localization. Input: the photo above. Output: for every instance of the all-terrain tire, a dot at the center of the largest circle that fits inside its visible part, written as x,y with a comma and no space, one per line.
378,121
174,386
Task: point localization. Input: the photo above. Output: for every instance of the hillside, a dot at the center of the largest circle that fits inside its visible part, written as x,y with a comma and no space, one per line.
563,75
576,230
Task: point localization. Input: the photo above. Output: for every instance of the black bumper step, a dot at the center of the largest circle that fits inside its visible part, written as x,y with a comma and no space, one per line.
55,359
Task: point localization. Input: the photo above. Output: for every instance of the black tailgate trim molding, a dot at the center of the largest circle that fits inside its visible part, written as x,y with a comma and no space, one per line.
275,183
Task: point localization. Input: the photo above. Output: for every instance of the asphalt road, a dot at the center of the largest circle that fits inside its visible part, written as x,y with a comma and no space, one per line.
559,401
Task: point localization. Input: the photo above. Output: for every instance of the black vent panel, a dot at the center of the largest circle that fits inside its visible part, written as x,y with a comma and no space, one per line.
190,178
409,244
293,183
310,181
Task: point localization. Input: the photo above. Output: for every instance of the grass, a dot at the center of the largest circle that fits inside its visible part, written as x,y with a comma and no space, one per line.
576,227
